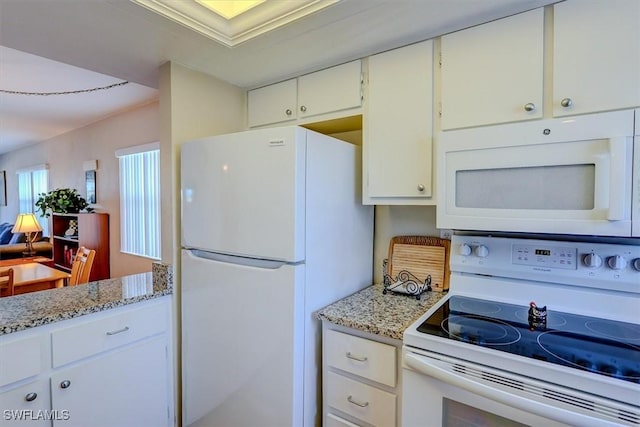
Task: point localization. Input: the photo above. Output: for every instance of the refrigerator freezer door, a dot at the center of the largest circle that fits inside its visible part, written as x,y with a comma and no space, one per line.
242,344
243,194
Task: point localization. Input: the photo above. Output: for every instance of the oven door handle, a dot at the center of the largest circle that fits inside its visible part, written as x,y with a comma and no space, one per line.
428,366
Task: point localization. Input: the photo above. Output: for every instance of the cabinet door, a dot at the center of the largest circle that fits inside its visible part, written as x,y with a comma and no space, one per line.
129,387
493,73
398,126
272,104
596,60
334,89
28,405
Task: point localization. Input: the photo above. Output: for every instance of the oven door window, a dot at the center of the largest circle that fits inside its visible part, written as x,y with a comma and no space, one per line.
456,414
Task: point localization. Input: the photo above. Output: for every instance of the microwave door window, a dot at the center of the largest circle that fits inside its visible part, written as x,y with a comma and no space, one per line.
528,188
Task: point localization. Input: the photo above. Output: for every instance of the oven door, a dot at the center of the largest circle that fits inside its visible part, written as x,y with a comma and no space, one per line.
557,176
440,390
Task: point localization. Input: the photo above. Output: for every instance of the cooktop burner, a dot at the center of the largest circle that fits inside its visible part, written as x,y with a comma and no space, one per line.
601,346
480,330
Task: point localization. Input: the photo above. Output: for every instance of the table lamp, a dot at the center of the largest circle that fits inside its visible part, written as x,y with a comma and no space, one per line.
27,223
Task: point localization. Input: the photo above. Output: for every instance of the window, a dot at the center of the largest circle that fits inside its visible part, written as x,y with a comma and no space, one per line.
31,182
140,200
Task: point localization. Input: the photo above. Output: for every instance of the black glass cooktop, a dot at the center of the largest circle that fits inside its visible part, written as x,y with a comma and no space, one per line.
602,346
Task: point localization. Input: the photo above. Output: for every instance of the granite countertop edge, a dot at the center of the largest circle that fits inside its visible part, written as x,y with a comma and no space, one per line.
372,311
34,309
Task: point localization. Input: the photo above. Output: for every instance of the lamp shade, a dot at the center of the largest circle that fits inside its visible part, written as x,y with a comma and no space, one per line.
26,223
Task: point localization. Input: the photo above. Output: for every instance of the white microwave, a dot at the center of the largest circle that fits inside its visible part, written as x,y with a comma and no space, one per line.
576,175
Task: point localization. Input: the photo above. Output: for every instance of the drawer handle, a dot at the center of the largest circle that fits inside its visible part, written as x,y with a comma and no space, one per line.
119,331
30,397
355,402
358,358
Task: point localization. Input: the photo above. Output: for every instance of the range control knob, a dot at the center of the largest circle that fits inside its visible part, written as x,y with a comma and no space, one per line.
481,251
592,260
616,262
636,264
465,250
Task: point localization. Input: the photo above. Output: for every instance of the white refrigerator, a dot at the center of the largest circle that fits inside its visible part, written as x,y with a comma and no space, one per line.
273,229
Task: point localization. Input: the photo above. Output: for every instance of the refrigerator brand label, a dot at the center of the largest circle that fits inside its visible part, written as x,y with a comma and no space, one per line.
276,142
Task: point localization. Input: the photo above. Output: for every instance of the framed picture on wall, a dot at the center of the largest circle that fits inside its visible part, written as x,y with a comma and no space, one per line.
90,182
3,188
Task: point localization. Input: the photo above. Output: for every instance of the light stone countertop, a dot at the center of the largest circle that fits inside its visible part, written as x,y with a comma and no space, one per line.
39,308
372,311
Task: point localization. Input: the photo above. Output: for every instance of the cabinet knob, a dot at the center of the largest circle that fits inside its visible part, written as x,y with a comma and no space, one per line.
30,397
65,384
566,102
303,108
288,112
530,107
420,187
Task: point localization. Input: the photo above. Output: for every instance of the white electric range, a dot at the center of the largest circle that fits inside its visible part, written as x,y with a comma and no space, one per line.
533,332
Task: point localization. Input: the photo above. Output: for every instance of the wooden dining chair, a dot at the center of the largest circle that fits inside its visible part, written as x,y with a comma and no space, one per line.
81,267
6,283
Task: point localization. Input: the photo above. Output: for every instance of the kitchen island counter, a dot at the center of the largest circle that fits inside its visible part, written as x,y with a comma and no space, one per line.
34,309
372,311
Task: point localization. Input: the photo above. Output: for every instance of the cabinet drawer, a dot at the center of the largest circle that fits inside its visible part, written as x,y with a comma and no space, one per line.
86,339
336,421
360,356
360,400
20,359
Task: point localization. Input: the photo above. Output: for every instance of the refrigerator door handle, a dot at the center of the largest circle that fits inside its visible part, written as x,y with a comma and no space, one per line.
230,259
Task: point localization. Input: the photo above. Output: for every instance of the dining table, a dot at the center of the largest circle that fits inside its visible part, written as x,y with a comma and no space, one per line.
33,276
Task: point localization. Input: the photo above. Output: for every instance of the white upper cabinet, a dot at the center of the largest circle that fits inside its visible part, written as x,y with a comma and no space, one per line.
596,49
493,73
276,103
397,139
580,57
333,90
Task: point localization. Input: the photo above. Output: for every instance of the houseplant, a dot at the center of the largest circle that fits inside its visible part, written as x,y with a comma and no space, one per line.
61,200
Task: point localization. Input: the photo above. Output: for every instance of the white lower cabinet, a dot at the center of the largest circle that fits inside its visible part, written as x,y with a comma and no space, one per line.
112,368
124,388
26,405
335,421
361,386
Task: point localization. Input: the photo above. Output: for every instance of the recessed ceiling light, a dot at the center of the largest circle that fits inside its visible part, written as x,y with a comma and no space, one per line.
229,9
242,22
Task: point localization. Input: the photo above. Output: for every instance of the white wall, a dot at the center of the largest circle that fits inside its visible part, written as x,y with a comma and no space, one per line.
66,153
399,221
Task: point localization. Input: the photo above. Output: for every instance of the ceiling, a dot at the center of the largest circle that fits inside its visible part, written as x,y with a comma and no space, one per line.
71,45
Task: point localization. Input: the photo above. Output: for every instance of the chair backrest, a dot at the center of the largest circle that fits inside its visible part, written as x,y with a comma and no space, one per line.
81,267
6,283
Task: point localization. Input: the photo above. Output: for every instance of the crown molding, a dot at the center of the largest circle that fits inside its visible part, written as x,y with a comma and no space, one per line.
263,18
